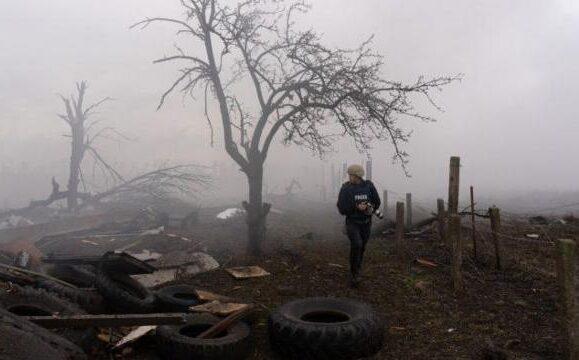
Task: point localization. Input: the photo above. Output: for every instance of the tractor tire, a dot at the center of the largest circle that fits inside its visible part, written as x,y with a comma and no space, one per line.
177,298
325,328
181,343
124,294
88,299
23,340
27,301
81,276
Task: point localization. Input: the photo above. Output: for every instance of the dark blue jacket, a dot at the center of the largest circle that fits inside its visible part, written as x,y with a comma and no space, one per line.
353,194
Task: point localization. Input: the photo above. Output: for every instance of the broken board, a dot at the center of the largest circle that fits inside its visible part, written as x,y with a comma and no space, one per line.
246,272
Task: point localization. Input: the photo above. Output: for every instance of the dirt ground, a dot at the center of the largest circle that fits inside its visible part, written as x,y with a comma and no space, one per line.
306,253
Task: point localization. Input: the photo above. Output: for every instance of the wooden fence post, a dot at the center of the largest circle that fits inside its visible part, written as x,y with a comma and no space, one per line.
453,185
441,220
566,284
472,219
385,204
408,211
495,217
455,238
400,229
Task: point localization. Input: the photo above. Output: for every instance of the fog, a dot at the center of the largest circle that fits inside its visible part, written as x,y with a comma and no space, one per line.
512,119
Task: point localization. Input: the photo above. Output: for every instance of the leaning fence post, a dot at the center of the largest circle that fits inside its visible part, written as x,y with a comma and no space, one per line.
472,219
453,185
455,239
566,285
495,217
400,229
408,210
441,220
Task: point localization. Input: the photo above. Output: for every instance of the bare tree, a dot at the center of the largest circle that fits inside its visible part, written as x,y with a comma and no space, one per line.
303,89
162,182
77,116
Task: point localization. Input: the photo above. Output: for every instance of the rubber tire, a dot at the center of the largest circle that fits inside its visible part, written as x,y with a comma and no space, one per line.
168,302
360,336
124,294
49,303
23,340
81,276
235,345
90,301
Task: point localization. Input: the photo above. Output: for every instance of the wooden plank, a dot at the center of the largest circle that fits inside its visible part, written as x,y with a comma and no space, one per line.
83,321
226,323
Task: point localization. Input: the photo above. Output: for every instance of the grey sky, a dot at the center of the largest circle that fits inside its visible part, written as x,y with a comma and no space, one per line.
513,119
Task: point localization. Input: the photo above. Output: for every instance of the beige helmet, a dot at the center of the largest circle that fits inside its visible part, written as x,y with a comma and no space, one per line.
356,170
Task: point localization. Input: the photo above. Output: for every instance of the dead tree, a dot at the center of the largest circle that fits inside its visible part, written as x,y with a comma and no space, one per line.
304,91
77,116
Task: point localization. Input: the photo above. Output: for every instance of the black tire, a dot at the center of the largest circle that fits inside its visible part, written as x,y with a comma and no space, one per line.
177,298
124,294
23,340
81,276
89,300
27,301
325,328
180,342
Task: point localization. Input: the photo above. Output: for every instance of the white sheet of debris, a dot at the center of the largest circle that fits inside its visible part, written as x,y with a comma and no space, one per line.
195,263
229,213
14,221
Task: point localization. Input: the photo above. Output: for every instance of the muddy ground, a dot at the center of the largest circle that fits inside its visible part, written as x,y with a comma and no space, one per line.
306,253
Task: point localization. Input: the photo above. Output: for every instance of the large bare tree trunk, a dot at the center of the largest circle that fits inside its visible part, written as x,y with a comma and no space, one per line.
76,155
256,211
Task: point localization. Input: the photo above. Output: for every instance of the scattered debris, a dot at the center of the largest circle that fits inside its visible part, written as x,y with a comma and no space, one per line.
336,265
146,255
204,261
230,213
156,231
207,296
177,265
218,308
22,259
135,335
14,221
532,236
89,242
244,272
119,262
157,278
426,263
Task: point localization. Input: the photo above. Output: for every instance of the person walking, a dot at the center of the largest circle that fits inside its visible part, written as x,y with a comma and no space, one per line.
357,201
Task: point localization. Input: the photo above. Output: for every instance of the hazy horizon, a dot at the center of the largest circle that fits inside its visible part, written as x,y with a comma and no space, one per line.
512,118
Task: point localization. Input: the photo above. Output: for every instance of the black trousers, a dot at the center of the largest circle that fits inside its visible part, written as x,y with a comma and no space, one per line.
358,233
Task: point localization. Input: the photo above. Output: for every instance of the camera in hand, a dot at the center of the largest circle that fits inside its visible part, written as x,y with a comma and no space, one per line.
370,210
